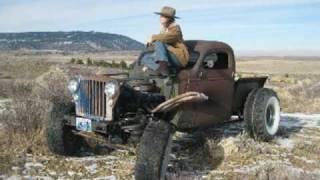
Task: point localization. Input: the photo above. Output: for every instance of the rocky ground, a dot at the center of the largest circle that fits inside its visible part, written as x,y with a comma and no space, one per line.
223,152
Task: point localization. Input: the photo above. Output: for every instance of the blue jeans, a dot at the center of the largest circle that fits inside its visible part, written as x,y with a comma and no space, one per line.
161,53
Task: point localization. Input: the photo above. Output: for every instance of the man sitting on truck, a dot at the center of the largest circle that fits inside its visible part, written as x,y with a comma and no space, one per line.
170,52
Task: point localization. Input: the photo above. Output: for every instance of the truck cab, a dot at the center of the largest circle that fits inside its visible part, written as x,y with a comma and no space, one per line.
210,70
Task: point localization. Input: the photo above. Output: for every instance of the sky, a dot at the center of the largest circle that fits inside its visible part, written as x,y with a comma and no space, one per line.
251,27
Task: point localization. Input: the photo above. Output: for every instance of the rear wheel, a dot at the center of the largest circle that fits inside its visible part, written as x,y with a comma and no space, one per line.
262,114
153,151
247,113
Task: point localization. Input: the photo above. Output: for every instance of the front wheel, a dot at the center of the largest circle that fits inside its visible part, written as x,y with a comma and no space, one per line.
60,138
262,114
153,152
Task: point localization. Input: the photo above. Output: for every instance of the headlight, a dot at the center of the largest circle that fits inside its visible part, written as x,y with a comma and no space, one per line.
75,97
111,88
73,85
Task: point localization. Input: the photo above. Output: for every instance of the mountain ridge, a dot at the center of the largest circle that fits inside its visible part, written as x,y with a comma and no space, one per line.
67,41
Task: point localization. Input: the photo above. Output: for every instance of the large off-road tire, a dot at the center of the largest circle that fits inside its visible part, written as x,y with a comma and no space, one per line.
153,152
262,114
247,112
60,138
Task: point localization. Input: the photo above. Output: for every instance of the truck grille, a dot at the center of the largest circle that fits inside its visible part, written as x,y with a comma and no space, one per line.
92,99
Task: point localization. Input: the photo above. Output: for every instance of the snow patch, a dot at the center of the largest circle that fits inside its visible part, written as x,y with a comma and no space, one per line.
30,165
286,143
106,178
295,120
92,168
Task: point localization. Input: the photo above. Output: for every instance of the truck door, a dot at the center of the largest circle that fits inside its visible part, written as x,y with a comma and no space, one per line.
214,78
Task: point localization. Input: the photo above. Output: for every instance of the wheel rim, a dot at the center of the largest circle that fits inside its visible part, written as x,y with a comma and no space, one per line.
272,113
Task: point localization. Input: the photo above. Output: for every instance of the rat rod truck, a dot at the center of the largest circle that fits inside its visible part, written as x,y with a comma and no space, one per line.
143,106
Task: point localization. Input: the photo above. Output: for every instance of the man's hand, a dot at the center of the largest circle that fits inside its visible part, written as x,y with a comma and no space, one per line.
145,68
149,42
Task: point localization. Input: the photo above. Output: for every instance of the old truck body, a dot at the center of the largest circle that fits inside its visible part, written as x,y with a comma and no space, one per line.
226,95
148,108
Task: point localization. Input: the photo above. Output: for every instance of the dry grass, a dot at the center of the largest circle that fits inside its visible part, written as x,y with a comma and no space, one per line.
300,94
295,81
127,56
17,69
26,111
15,146
32,81
280,66
23,122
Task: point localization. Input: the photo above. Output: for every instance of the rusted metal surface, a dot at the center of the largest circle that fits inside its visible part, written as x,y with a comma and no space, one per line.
179,100
95,78
92,100
217,84
225,95
242,88
205,47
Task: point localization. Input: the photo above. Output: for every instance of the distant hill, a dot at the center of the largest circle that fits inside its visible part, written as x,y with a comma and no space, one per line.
67,41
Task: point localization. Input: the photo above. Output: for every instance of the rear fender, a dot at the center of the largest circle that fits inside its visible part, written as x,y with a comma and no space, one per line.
243,87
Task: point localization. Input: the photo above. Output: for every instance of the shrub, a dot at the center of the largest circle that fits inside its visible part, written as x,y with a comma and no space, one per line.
131,66
102,63
89,62
31,100
72,61
26,111
114,64
286,75
123,65
5,88
79,61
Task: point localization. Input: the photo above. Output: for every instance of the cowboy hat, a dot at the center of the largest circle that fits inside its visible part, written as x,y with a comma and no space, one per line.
168,12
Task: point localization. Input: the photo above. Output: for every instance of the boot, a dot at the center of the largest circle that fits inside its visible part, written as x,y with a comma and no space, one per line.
163,68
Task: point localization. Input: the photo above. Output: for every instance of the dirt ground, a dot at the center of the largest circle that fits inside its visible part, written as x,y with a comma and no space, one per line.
223,152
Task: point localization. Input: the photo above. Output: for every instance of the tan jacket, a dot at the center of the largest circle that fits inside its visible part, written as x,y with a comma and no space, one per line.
173,37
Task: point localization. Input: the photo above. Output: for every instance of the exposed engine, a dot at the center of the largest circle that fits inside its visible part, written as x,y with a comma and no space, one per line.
137,99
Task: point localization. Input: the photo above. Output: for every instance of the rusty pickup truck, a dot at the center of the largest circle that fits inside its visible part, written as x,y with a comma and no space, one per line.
143,107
